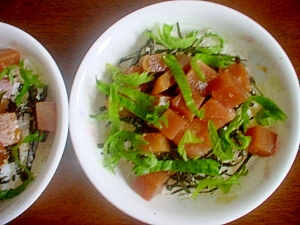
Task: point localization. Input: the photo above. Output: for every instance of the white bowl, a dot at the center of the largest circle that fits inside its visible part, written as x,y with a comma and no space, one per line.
267,62
49,154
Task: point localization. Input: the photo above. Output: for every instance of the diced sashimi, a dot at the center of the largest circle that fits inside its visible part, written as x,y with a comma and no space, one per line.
9,132
153,63
133,69
8,57
195,150
198,86
208,72
184,61
157,142
6,86
175,124
263,141
227,90
239,72
178,104
195,126
46,116
217,112
3,154
151,184
3,105
163,83
162,100
199,128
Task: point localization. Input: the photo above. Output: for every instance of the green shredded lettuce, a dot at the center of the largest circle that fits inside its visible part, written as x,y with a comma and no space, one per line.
204,166
182,82
215,45
219,182
114,148
153,116
8,72
132,79
269,113
220,147
188,138
234,136
128,96
15,150
29,79
164,37
2,94
216,61
101,116
7,194
197,69
113,113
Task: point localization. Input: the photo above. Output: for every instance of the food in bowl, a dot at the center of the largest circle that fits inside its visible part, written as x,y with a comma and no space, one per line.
35,57
26,118
267,63
186,114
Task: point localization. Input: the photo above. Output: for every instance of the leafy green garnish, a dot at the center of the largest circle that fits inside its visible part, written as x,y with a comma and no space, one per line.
188,138
197,69
216,61
29,79
113,112
215,45
179,75
219,182
134,79
204,166
126,94
114,148
142,99
100,116
7,194
234,136
2,94
151,116
268,114
165,38
15,150
221,148
8,72
103,87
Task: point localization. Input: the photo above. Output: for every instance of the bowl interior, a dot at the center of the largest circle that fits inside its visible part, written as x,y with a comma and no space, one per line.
49,153
267,63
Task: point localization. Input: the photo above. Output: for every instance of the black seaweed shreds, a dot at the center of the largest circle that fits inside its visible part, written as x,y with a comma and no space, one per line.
100,145
4,180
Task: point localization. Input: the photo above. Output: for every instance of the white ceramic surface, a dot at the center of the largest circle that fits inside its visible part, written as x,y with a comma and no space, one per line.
49,153
267,63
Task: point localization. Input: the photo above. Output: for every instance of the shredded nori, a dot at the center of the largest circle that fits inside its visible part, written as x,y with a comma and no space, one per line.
26,108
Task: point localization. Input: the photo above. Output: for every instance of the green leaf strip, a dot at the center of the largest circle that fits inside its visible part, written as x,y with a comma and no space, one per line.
182,82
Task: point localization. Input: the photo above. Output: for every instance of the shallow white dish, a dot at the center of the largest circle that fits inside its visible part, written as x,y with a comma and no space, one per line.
49,153
268,64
